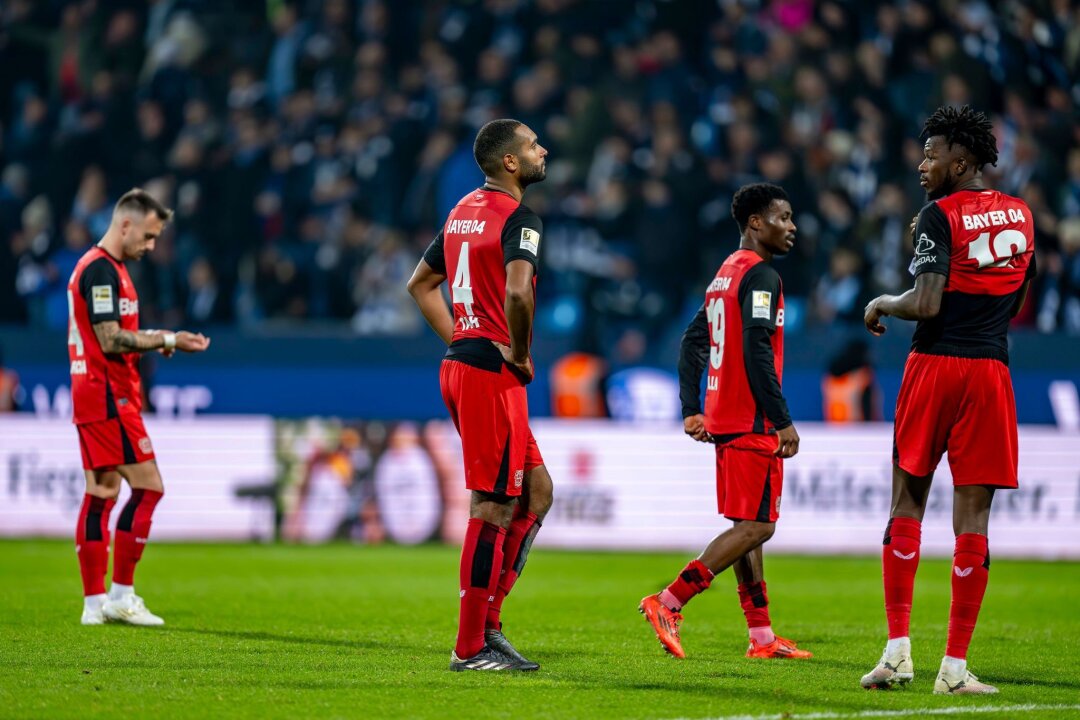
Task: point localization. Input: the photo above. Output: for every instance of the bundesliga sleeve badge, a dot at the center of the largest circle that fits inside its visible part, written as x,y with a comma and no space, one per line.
761,304
102,298
530,240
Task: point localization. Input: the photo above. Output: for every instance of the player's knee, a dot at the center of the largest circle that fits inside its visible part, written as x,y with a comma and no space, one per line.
540,491
760,532
540,502
145,476
105,492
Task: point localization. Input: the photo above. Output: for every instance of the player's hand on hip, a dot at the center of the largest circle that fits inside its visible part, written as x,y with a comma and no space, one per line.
191,342
694,426
787,442
872,317
524,368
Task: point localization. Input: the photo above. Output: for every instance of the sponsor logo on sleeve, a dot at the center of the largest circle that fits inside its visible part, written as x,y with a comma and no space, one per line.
530,240
102,298
924,249
761,304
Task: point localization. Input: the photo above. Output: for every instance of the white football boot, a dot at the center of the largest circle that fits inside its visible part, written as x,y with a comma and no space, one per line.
132,610
894,668
955,679
92,610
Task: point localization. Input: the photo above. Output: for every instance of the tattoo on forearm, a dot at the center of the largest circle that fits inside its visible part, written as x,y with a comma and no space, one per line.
114,340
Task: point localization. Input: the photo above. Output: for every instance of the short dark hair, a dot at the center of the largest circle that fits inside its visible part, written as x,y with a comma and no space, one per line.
966,127
139,200
754,200
493,141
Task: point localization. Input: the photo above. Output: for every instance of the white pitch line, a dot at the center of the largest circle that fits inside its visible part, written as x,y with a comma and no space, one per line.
898,713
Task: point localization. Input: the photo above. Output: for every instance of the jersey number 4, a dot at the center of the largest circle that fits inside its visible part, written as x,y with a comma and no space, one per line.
74,336
461,290
1006,245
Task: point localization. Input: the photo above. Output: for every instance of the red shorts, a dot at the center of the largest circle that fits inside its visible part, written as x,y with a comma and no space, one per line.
119,441
491,413
749,478
961,406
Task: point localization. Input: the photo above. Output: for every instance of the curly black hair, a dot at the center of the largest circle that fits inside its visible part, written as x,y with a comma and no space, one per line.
754,200
967,127
493,141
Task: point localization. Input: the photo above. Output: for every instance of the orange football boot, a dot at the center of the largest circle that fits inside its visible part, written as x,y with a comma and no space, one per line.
778,648
665,622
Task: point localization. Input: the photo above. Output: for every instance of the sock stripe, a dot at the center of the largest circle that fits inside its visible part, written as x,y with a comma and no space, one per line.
526,546
127,516
483,557
92,526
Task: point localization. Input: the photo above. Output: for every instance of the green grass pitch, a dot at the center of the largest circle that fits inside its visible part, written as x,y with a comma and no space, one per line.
339,632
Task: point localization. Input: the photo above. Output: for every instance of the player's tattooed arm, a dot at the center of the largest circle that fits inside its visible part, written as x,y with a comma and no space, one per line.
922,302
114,340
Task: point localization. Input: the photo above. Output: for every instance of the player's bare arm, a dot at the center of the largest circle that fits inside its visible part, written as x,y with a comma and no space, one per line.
115,341
1021,298
519,314
922,302
425,288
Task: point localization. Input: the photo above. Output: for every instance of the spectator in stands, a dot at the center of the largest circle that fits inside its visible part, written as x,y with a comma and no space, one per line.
356,114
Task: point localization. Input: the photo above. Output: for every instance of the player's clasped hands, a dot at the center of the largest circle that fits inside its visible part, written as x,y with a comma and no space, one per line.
788,442
694,426
524,368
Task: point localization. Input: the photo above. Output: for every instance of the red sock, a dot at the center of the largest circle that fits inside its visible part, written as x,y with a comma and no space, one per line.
481,561
132,531
755,604
899,561
92,542
519,540
971,570
694,578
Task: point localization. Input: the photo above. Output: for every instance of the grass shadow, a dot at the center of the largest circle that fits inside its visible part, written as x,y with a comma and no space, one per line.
261,636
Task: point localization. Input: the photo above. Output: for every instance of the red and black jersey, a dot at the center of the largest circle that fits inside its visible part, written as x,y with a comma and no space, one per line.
484,232
983,241
739,335
102,385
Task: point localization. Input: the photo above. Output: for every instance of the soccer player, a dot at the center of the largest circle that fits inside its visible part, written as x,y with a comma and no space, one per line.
974,260
104,344
739,335
489,246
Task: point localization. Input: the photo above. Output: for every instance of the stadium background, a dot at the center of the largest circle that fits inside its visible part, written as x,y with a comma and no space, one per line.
311,150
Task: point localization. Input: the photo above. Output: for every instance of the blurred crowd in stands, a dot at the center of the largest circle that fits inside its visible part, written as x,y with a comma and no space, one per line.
311,149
